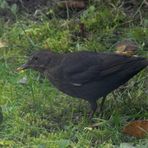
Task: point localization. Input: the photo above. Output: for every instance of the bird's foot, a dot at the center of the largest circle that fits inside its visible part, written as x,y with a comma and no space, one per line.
91,114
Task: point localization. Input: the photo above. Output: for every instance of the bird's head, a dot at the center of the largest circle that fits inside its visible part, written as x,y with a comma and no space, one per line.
37,61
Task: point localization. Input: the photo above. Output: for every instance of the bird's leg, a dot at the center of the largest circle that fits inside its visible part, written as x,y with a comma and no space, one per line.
93,105
102,103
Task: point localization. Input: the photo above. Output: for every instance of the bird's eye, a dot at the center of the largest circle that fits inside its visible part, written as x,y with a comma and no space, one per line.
35,58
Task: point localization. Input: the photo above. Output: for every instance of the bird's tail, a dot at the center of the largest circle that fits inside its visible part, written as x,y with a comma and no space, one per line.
136,66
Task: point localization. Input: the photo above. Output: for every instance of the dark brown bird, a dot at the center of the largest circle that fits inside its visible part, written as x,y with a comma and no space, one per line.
86,75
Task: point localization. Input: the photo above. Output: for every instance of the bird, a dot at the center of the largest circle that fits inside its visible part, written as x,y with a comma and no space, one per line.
86,75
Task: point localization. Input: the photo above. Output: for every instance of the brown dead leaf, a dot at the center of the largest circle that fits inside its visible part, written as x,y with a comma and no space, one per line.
126,47
138,128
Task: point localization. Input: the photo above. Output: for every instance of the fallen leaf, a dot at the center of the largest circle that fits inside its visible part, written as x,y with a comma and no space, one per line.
126,47
88,128
126,145
138,128
2,44
24,80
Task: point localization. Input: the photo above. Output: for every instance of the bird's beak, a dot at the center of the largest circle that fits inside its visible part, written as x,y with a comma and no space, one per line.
24,66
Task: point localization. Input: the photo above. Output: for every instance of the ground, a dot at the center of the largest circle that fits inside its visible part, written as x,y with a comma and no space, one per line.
35,114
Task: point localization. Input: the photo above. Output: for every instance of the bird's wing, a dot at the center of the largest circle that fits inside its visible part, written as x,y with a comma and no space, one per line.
83,69
83,75
80,69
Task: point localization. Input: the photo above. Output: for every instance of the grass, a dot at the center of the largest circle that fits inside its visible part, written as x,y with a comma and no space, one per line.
38,115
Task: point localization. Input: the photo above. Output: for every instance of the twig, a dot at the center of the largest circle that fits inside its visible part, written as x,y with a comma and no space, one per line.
67,10
139,8
145,2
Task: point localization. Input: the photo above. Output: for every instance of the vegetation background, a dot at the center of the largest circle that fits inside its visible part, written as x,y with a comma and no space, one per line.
33,114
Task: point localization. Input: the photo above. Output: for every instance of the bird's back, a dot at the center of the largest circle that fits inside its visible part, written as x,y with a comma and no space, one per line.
91,75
